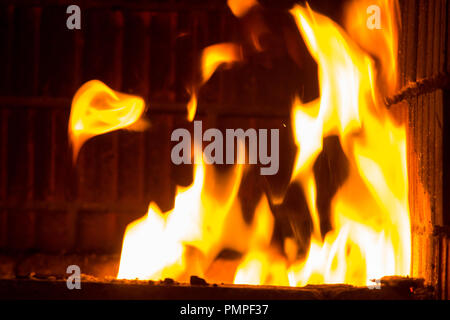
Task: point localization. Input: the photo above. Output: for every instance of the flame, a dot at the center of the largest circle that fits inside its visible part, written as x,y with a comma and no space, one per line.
254,24
370,235
186,239
212,57
97,109
382,43
240,7
371,226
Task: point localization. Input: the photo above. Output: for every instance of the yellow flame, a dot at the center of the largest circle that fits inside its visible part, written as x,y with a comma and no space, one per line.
241,7
192,106
215,55
212,57
97,109
378,42
370,235
371,227
186,239
153,245
253,268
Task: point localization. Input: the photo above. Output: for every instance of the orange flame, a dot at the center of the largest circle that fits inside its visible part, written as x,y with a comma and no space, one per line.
370,216
371,236
212,57
186,239
97,109
380,43
241,7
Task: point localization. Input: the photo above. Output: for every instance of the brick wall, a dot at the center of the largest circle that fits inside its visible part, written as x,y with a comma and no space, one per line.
424,68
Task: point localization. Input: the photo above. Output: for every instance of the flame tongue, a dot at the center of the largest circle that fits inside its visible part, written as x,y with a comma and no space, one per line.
381,41
97,109
186,239
241,7
212,57
370,211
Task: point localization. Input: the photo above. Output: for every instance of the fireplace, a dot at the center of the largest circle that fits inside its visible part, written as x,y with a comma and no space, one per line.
67,196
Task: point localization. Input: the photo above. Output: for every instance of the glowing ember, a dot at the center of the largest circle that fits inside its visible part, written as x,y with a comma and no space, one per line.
187,239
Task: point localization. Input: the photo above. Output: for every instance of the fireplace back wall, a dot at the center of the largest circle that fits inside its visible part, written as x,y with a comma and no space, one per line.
53,213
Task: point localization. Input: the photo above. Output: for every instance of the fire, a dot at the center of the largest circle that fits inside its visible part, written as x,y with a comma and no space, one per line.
241,7
380,43
97,109
186,239
370,236
371,227
212,57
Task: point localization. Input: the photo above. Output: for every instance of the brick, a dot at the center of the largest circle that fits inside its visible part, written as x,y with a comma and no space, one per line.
136,51
59,54
162,57
131,164
19,156
7,265
63,187
6,55
21,230
43,155
159,181
96,232
3,228
55,231
97,170
26,50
